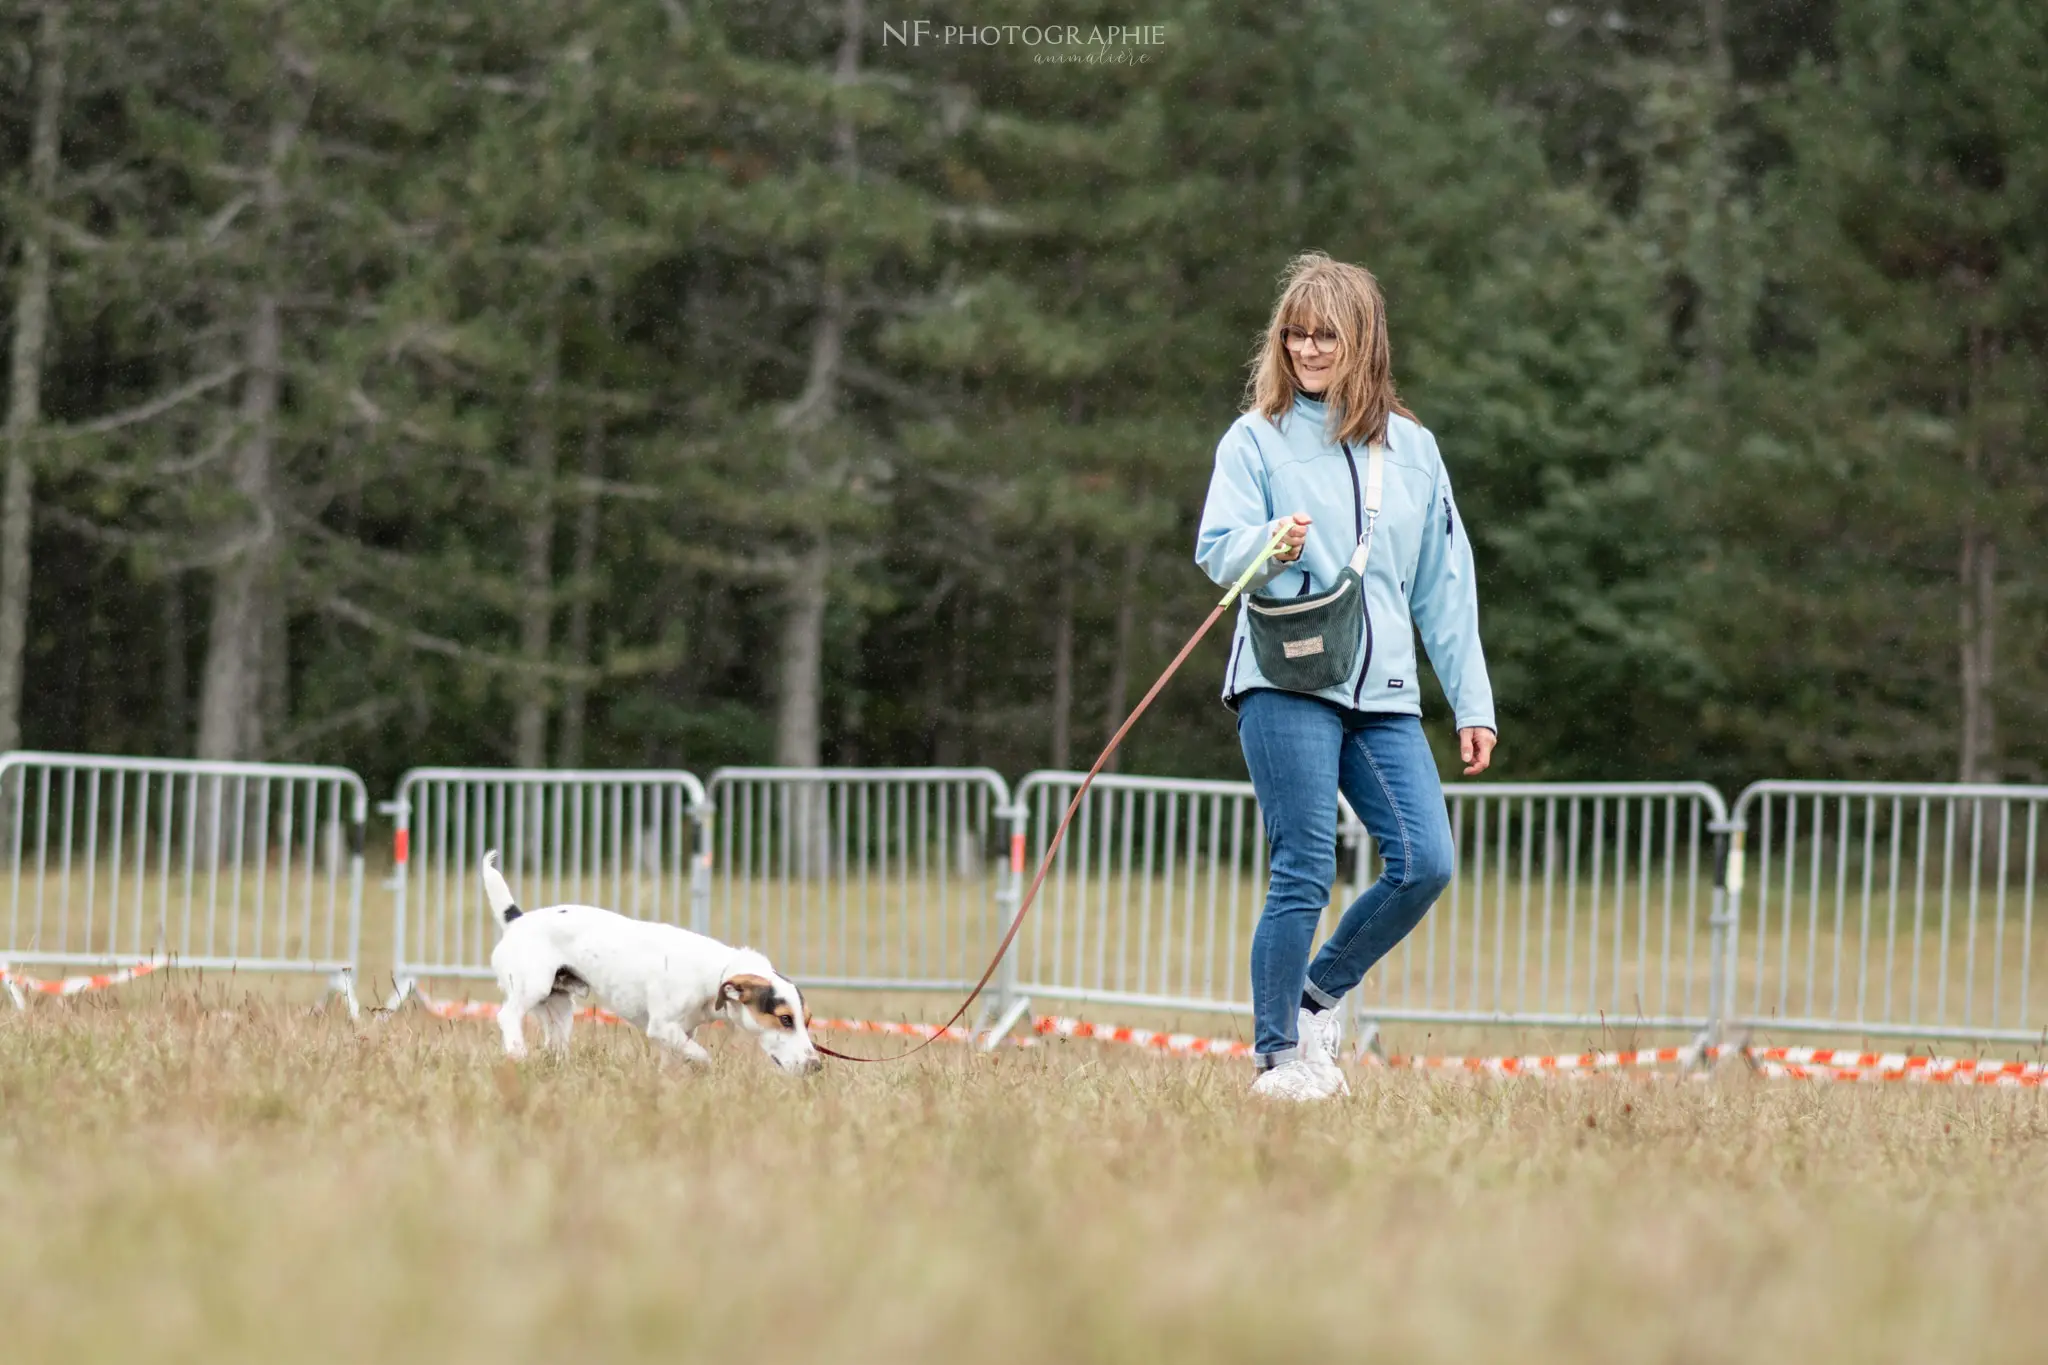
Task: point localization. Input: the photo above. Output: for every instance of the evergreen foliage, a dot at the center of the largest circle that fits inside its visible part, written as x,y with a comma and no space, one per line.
712,381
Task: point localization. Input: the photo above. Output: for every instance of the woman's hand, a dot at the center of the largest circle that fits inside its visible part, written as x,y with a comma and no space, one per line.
1475,747
1297,532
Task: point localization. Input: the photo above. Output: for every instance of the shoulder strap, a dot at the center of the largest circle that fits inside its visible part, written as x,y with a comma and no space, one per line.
1375,473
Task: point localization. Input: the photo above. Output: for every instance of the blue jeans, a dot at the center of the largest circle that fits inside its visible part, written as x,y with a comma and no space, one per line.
1302,751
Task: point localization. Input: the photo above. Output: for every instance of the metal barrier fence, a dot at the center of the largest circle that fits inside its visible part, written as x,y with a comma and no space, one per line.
1888,909
630,841
865,878
249,867
1879,909
1151,899
1569,905
1581,905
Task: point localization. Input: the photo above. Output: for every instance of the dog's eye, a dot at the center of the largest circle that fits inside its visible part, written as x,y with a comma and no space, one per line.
786,1020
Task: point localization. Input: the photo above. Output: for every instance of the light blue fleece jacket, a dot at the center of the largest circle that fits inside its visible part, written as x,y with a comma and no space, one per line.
1419,573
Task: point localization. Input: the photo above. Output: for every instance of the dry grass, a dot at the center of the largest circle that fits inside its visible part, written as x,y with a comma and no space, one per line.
193,1175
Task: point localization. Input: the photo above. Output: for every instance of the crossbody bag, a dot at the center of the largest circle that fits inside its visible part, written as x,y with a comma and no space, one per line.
1308,644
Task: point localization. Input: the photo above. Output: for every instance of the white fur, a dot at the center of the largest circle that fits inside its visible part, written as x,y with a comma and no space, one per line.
664,980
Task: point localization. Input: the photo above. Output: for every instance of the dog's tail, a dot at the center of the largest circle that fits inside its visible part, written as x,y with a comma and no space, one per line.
502,904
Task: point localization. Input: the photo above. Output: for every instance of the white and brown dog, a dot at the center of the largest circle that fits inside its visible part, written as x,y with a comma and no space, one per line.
666,980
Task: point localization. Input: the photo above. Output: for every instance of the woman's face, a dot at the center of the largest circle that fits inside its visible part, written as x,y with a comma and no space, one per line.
1313,351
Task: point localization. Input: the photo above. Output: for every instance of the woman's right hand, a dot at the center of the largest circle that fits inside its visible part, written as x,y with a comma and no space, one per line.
1297,532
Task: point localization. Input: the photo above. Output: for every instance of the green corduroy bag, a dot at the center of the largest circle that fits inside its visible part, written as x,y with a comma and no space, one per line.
1309,644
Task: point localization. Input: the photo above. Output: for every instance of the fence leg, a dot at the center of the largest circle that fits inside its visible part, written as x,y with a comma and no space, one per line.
700,871
1006,1006
406,989
400,812
359,833
343,984
1370,1042
1721,942
1005,1023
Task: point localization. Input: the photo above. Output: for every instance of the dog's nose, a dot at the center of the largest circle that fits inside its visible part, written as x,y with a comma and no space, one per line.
812,1064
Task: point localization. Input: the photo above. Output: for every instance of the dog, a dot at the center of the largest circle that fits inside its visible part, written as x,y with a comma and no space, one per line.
663,980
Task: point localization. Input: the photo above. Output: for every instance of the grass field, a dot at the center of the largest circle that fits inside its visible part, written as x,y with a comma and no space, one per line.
191,1175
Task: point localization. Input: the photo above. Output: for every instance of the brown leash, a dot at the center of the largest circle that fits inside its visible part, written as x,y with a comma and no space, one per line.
1053,848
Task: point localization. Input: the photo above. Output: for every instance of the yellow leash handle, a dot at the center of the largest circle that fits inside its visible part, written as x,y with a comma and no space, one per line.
1272,548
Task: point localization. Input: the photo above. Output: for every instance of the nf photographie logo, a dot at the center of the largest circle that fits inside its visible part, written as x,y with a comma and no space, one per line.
1098,40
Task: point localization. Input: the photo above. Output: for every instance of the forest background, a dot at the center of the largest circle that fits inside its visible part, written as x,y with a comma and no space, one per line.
691,382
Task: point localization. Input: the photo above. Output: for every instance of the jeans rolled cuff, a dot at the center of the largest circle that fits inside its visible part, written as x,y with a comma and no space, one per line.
1266,1061
1320,996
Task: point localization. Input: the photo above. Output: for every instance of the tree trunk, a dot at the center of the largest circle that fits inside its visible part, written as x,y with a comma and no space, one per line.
274,683
177,685
582,563
536,614
232,701
949,728
1977,578
803,636
797,736
1063,659
1990,768
231,685
801,690
1118,700
851,719
25,370
1713,285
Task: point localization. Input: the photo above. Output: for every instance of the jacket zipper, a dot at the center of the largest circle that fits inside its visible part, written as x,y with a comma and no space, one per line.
1358,518
1357,495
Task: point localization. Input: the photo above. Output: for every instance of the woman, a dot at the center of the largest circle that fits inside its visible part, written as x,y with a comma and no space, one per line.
1327,454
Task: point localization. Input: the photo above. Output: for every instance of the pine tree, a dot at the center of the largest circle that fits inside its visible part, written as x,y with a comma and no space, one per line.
24,390
234,274
1901,513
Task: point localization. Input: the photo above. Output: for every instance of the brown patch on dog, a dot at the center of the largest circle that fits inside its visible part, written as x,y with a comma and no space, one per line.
755,993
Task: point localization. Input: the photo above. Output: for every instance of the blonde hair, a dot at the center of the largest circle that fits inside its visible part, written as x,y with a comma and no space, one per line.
1317,292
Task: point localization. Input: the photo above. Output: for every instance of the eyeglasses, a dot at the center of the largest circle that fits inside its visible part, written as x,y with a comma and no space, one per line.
1297,339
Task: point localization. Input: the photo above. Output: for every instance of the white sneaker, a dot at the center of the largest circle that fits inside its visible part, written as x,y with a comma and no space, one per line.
1319,1035
1300,1079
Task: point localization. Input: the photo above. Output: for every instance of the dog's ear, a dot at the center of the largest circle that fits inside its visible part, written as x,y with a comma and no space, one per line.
744,989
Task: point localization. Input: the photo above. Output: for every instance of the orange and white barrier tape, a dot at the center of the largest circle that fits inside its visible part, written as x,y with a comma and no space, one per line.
77,985
1841,1059
1777,1063
1561,1064
1178,1044
897,1029
488,1009
1917,1075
